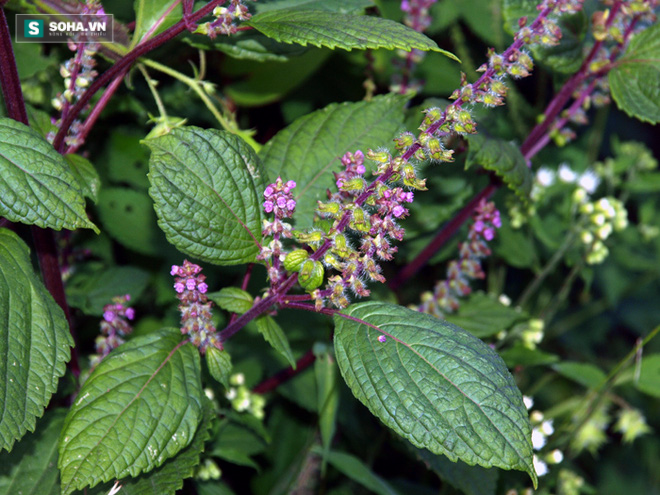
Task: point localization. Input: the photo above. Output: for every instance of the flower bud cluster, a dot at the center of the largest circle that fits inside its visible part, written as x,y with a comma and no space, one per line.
242,399
417,17
114,327
369,213
278,201
631,424
542,429
78,73
195,307
445,296
208,470
225,20
600,219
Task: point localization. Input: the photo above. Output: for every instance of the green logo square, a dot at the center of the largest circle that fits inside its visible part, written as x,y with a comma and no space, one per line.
33,28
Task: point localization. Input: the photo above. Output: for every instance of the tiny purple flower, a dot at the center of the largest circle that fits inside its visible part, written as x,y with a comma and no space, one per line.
202,288
109,316
191,284
174,270
269,191
382,339
479,226
130,313
179,287
398,210
281,202
291,205
268,206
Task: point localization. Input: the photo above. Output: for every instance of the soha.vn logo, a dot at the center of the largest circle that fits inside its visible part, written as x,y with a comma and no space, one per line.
34,28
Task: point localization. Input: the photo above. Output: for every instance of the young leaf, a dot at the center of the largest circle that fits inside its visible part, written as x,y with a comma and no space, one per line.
141,406
154,16
503,158
36,184
207,186
168,478
634,79
275,336
310,148
219,364
483,316
232,299
434,384
333,30
86,175
31,467
34,342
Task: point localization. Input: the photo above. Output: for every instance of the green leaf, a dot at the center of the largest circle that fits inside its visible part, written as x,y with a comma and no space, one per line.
93,289
470,480
519,355
633,81
513,10
207,186
31,467
36,183
128,216
649,376
643,182
86,175
38,119
434,384
232,299
483,315
126,159
219,364
358,471
339,6
565,57
275,336
585,374
503,158
310,149
333,30
168,478
248,45
149,12
34,342
327,388
140,407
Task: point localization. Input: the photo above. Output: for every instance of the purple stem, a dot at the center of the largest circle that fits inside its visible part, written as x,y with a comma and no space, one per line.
11,84
124,63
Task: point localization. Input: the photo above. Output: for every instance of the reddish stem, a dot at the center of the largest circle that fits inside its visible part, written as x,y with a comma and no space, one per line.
286,374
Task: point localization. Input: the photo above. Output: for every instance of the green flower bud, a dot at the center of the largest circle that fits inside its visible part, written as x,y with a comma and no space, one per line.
295,259
311,275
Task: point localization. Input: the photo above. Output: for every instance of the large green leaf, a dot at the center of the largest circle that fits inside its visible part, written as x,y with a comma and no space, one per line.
207,186
587,374
434,384
34,342
31,468
634,79
338,6
503,158
36,184
154,16
168,478
248,45
232,299
141,406
333,30
310,149
86,175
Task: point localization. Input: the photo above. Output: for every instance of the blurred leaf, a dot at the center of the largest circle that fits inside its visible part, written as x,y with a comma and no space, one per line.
37,185
31,467
565,57
141,406
513,10
516,248
207,187
339,6
470,480
248,45
86,175
434,384
92,289
649,376
128,217
632,78
585,374
503,158
334,30
327,386
355,469
232,299
519,355
127,160
483,315
309,150
34,341
644,182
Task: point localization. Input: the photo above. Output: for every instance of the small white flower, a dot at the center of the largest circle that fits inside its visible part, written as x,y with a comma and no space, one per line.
540,467
506,301
538,439
528,401
209,393
545,177
231,394
116,487
547,428
536,417
566,174
555,457
589,181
